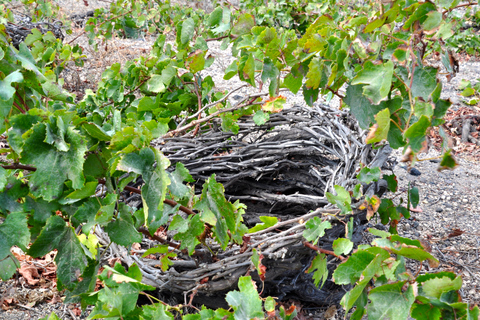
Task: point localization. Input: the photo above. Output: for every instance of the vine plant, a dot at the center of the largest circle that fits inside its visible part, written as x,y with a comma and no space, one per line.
372,57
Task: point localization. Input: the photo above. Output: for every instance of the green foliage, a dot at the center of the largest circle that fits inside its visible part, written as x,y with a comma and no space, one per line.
61,149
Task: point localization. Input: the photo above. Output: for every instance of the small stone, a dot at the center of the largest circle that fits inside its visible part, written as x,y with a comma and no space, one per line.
416,224
439,209
406,227
415,172
423,180
417,234
465,200
380,226
443,197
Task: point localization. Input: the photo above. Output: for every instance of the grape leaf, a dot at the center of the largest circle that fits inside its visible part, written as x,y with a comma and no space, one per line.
246,302
378,79
267,223
342,246
54,167
342,200
6,89
315,229
261,117
349,271
13,232
244,24
319,269
367,175
379,131
71,260
435,287
424,82
363,110
122,230
156,182
188,28
391,301
216,210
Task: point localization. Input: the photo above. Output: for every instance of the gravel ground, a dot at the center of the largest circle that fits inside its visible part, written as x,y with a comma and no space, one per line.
449,199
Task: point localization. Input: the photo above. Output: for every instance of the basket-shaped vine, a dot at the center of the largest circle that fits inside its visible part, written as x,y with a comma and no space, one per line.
283,169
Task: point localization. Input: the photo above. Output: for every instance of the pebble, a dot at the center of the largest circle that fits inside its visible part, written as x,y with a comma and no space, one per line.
438,210
415,172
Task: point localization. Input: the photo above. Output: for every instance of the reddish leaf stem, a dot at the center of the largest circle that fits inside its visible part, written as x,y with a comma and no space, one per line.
155,237
318,249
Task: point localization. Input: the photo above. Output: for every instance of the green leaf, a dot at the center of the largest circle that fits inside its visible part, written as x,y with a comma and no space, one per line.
378,79
315,229
3,178
189,231
6,89
435,287
413,197
420,14
350,271
448,162
367,175
215,17
196,61
267,223
244,24
319,269
391,301
425,311
122,230
85,192
177,188
246,303
53,315
260,117
351,297
342,246
54,167
13,232
270,71
314,75
293,83
156,84
434,19
424,82
71,260
417,132
342,200
156,182
391,182
188,28
363,110
231,70
96,131
270,304
8,266
247,71
375,24
423,109
216,210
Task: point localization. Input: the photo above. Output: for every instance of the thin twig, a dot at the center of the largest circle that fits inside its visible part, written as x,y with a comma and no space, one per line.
321,250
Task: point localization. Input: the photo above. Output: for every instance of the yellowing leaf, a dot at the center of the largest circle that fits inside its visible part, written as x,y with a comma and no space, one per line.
379,131
274,104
